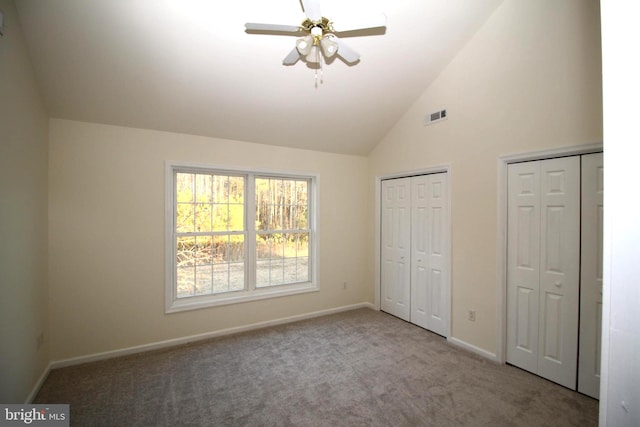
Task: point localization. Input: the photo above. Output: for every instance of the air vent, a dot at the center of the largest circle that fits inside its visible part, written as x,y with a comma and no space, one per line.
432,118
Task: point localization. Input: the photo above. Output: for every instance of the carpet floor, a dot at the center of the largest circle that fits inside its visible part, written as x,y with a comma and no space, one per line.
356,368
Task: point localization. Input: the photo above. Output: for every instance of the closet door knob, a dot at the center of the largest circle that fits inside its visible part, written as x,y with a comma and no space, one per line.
558,284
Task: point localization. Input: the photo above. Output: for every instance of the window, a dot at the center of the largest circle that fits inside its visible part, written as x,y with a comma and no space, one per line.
282,232
235,236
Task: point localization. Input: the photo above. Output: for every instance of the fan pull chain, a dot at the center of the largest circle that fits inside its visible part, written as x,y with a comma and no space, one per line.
319,61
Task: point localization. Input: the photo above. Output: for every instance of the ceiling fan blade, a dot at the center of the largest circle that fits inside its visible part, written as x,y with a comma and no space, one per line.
292,57
312,9
252,26
362,23
346,53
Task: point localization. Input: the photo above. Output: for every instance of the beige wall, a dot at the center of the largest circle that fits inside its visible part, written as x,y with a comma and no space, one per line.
106,239
529,80
23,218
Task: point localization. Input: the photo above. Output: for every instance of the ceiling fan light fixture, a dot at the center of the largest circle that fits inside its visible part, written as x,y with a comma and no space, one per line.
304,45
329,47
314,55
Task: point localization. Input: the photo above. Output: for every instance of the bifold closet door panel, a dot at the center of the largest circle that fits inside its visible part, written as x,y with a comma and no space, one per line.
591,275
559,270
420,282
543,243
438,245
430,290
395,268
523,264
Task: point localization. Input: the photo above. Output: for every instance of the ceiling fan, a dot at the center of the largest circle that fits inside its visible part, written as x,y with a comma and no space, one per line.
319,40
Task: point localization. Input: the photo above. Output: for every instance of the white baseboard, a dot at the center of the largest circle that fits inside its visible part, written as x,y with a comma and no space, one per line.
36,387
199,337
472,348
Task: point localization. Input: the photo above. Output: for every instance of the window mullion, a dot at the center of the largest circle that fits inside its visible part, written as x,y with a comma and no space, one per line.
250,236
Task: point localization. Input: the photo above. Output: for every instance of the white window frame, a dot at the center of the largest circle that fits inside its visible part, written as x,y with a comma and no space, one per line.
251,293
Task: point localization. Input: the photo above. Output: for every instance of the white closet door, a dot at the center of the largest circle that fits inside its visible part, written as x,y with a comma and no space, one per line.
543,240
420,286
559,270
396,245
430,289
591,275
523,264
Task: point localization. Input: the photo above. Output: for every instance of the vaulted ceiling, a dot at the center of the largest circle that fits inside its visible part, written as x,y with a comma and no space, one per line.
188,66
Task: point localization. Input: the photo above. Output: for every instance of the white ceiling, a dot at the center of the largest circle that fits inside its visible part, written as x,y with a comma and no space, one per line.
188,66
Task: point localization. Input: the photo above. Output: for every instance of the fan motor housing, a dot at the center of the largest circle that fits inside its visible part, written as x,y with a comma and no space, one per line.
324,24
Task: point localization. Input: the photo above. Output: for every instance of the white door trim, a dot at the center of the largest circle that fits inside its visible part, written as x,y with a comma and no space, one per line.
446,168
503,161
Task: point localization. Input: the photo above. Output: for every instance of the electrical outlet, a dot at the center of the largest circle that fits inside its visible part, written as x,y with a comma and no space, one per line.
472,315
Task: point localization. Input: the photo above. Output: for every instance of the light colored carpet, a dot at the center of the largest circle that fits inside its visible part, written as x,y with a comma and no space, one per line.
357,368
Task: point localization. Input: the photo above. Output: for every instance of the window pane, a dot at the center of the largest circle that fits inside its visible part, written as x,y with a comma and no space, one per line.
185,218
277,246
221,217
236,217
184,187
263,246
275,191
203,217
290,192
302,244
263,270
204,280
220,249
277,272
301,216
204,187
287,217
236,249
301,192
236,189
221,278
185,251
220,189
262,203
290,270
185,282
236,276
275,217
262,217
204,250
289,245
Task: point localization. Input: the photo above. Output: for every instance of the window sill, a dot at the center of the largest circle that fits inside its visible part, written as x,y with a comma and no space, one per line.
205,301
